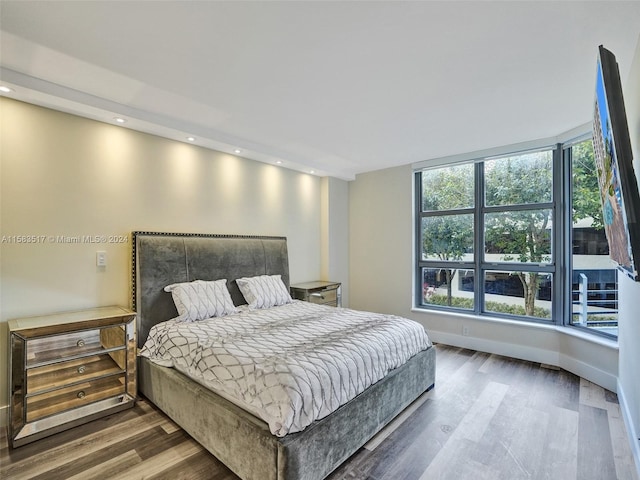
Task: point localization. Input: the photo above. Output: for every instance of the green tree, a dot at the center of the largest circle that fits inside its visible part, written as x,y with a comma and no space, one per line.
586,192
448,188
447,237
520,235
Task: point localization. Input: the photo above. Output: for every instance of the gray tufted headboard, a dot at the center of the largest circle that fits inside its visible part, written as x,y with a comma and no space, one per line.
160,259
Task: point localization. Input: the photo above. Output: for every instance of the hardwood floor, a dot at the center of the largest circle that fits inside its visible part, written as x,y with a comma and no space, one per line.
488,418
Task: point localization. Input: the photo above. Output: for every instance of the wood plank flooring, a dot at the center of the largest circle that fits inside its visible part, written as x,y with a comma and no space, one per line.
488,418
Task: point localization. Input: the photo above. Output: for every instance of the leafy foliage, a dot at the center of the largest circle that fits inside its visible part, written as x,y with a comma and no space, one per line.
447,237
519,180
521,235
523,180
586,193
498,307
458,302
448,188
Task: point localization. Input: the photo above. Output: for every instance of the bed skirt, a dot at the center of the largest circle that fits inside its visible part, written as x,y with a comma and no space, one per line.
244,443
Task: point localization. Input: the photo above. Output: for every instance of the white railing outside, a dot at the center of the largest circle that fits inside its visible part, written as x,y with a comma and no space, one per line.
587,310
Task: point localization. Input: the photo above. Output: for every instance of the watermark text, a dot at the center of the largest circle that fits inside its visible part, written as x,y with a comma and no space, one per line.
63,239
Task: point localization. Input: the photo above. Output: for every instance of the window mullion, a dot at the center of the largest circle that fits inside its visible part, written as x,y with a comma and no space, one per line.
518,208
418,239
479,238
561,249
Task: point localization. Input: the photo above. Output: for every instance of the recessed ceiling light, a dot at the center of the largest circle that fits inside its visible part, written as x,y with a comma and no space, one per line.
119,120
4,89
279,162
237,150
191,139
312,171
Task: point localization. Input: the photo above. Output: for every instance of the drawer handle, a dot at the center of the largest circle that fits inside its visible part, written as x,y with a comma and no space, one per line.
80,343
319,295
81,369
81,394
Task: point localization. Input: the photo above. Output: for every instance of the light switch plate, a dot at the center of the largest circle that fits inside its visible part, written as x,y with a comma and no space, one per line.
101,258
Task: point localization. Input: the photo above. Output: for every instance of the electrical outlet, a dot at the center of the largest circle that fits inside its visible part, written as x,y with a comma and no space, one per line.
465,331
101,258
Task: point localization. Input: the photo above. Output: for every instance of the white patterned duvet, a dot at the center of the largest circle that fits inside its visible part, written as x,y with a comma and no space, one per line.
289,365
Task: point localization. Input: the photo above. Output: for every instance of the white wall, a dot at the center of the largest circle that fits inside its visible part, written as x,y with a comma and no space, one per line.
629,319
63,175
335,233
380,241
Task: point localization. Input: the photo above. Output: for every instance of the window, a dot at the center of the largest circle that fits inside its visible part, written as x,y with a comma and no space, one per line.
447,205
594,278
509,236
486,236
518,234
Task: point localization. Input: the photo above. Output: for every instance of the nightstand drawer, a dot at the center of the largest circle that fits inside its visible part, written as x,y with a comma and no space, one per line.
51,349
324,296
54,376
321,292
56,401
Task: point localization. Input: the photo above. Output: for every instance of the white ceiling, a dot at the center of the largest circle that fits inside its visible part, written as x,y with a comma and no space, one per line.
338,87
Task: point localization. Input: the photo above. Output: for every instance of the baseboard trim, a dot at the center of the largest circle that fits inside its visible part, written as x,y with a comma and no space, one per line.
493,346
634,435
532,354
589,372
4,413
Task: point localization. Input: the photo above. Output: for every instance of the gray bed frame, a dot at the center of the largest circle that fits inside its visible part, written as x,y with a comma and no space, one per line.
237,438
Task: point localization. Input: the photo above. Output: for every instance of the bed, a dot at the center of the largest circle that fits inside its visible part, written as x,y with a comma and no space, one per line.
239,439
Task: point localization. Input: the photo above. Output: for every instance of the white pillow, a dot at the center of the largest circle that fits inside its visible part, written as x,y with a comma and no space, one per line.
264,291
199,300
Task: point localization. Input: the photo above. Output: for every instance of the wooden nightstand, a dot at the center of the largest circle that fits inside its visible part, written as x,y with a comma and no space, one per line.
68,369
325,293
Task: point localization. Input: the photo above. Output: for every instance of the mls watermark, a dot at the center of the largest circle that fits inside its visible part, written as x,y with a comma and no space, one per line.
63,239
